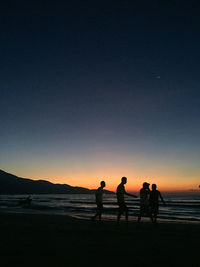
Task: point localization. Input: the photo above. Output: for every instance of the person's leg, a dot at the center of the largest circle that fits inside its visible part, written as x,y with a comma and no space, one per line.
119,215
151,218
94,217
120,211
155,214
140,214
139,217
150,212
97,213
126,213
100,211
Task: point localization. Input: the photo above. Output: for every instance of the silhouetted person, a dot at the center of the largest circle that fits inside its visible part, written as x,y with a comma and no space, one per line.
26,201
120,199
144,202
154,197
99,200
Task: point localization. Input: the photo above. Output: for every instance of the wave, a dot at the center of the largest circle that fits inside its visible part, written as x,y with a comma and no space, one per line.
175,208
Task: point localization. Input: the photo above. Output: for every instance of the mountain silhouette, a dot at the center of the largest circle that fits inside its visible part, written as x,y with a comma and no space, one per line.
11,184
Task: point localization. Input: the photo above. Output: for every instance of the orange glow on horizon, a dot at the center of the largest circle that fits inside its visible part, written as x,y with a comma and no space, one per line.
110,164
134,183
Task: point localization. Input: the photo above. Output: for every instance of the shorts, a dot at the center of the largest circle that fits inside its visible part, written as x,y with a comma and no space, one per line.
144,210
154,209
122,206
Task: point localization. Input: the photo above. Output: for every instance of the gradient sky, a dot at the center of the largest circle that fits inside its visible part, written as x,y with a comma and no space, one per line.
94,91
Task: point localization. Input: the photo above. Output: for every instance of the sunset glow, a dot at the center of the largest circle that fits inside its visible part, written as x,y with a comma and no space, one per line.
169,175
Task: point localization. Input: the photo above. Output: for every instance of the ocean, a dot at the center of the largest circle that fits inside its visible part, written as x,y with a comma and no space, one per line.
179,206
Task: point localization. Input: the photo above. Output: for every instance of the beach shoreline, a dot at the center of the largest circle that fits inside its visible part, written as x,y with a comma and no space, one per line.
57,240
105,217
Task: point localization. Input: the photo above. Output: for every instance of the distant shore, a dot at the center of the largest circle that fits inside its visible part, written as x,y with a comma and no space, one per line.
55,240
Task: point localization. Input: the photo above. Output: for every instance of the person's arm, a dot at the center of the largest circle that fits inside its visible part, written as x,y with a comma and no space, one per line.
131,195
161,198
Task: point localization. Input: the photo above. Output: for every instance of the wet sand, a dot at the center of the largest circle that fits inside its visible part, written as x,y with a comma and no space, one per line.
53,240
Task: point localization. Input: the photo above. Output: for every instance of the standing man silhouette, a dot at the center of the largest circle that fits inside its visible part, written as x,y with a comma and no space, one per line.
154,197
120,199
99,200
144,202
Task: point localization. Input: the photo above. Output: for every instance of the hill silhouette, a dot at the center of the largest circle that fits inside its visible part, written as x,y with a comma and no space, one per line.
11,184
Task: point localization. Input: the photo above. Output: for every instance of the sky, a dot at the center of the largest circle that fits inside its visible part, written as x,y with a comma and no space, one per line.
95,91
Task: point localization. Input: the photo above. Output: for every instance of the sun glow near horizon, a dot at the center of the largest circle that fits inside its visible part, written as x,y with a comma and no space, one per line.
169,172
165,183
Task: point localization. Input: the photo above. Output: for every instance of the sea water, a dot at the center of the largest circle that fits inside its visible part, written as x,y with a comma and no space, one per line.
179,206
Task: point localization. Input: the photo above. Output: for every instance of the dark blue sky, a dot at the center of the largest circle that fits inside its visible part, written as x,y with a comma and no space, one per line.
84,77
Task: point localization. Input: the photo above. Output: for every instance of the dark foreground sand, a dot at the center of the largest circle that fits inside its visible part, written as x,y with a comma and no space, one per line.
51,240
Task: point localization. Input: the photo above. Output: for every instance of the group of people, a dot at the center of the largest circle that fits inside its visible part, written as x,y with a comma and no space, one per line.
149,201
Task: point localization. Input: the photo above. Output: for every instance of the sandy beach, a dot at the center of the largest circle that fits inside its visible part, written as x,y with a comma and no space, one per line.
51,240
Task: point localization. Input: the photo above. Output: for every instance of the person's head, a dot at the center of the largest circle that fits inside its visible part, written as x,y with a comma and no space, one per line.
146,185
154,186
124,180
103,184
